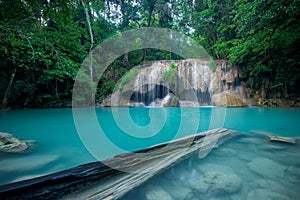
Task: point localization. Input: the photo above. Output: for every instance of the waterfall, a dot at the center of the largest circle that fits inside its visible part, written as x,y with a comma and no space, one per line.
195,83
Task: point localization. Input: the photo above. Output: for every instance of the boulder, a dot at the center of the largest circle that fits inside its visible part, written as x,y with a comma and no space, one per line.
11,144
217,183
137,104
227,99
170,101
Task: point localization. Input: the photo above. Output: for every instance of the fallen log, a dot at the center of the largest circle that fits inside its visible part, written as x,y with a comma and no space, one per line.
289,140
112,178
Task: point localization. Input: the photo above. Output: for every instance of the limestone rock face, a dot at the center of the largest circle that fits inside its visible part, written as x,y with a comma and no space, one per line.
11,144
229,77
194,81
106,102
277,102
227,99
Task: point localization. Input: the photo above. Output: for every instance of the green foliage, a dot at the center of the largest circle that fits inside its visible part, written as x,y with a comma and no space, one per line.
173,66
212,65
109,79
170,75
46,43
128,77
267,35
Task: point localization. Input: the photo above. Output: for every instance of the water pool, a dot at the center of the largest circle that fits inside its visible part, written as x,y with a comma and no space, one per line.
248,167
59,145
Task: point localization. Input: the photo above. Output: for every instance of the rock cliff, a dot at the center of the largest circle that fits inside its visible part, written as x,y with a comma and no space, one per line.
194,82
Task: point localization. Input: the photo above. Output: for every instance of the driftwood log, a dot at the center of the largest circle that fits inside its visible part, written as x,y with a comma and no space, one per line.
99,181
289,140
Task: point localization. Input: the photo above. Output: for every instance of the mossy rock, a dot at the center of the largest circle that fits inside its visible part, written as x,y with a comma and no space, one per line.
11,144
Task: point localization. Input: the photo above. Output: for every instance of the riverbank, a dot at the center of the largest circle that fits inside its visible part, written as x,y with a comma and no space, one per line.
279,102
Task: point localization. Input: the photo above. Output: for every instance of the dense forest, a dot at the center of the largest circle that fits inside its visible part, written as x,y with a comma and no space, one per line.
44,42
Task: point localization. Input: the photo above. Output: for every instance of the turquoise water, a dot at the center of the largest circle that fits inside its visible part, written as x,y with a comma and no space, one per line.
248,167
61,143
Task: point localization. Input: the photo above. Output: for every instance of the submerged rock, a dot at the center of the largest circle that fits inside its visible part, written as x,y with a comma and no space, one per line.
177,191
265,195
11,144
267,168
293,174
157,193
268,184
224,152
208,167
216,183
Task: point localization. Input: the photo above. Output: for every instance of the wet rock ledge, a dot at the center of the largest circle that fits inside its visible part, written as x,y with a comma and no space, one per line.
127,171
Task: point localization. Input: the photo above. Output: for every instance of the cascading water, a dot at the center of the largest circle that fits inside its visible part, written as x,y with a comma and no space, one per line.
195,84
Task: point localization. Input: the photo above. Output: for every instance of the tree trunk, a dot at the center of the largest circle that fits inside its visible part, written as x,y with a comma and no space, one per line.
90,52
151,9
7,92
144,55
56,91
125,61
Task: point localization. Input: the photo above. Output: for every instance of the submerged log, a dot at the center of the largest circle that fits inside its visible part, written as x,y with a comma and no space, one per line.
273,138
112,178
